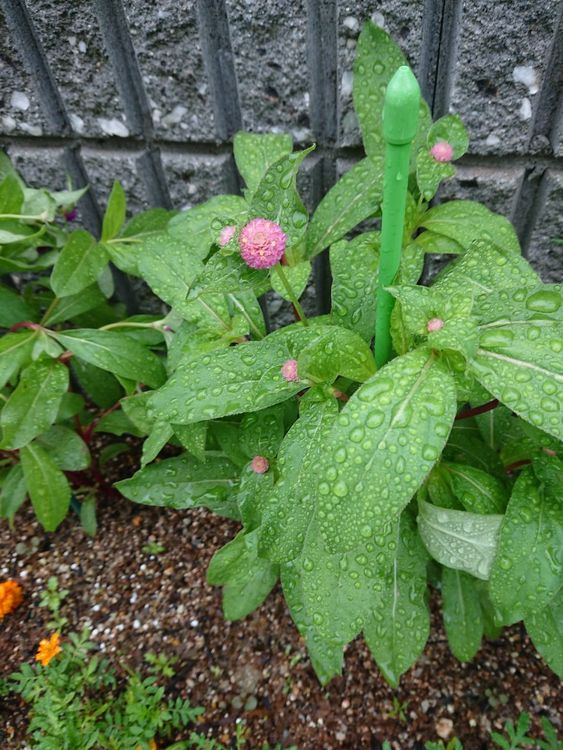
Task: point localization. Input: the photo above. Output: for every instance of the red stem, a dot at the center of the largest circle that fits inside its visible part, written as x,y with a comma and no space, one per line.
25,324
517,464
478,409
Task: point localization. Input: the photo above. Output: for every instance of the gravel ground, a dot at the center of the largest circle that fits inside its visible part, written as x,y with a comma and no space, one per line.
256,668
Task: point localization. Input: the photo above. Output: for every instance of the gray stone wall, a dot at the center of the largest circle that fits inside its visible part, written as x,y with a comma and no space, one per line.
151,92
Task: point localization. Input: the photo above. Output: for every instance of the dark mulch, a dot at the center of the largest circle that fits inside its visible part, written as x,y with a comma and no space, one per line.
135,602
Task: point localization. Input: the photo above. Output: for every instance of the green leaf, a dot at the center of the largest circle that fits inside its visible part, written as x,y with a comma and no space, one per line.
101,386
546,631
355,269
184,482
147,222
71,404
136,409
70,307
335,352
227,435
384,443
12,493
478,491
79,264
229,274
463,619
116,353
13,308
377,59
158,437
47,486
166,269
256,152
276,197
114,216
521,365
15,352
297,275
468,221
32,407
67,198
261,432
67,449
253,496
197,226
11,195
460,540
355,197
399,625
230,381
526,572
247,578
540,302
192,437
88,515
429,172
465,448
118,423
290,510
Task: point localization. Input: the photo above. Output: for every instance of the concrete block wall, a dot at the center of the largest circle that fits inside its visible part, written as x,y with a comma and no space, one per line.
151,93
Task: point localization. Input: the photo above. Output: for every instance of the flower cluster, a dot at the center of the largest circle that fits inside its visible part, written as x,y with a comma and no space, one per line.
442,151
11,596
262,243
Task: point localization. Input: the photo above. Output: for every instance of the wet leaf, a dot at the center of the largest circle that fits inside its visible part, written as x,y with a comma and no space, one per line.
15,352
460,540
478,491
12,492
430,172
114,216
115,353
383,444
33,405
546,631
399,625
356,196
256,152
355,268
78,266
462,614
526,572
66,448
184,482
47,486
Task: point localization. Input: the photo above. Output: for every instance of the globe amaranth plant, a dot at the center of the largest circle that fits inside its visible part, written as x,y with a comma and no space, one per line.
357,487
63,339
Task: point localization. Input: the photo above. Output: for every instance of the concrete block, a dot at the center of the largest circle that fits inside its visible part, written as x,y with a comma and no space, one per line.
20,111
495,187
543,252
40,167
402,19
74,48
502,51
269,45
105,166
193,179
166,41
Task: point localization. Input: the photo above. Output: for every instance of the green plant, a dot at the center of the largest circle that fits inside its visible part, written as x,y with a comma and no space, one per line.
516,739
399,709
348,481
52,598
64,340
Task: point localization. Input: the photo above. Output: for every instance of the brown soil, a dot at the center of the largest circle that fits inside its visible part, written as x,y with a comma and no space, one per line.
136,602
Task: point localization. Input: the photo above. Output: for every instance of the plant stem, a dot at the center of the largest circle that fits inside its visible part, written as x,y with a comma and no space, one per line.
49,310
41,217
400,121
476,410
126,324
291,294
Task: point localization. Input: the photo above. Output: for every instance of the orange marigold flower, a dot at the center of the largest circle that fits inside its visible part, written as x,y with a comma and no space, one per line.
11,596
152,745
48,648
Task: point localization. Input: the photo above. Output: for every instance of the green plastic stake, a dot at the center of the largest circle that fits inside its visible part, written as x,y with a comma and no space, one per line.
400,122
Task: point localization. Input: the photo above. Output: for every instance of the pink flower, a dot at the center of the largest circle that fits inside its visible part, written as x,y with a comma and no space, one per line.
434,324
227,234
260,464
442,151
262,243
289,370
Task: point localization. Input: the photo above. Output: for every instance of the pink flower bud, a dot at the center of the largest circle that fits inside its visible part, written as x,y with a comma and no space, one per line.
227,234
289,370
435,324
262,243
260,464
442,151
